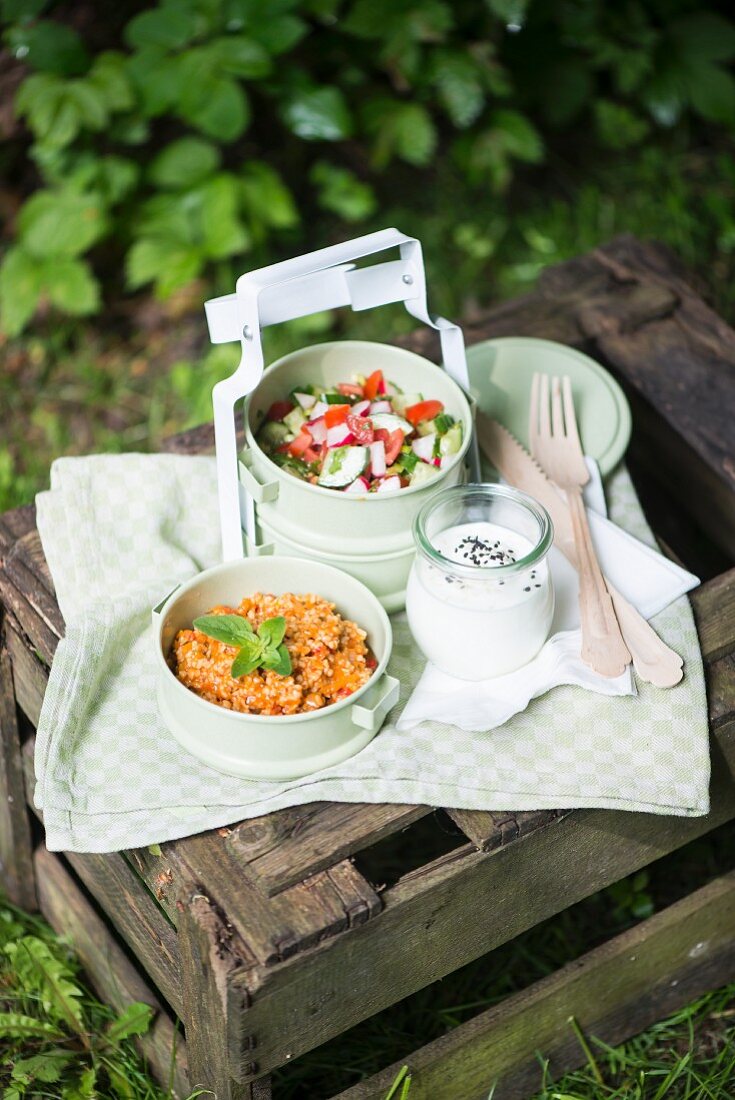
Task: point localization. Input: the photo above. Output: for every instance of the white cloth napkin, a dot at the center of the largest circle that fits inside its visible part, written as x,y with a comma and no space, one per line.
646,578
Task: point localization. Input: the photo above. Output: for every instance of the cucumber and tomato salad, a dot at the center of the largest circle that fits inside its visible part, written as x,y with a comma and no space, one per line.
362,436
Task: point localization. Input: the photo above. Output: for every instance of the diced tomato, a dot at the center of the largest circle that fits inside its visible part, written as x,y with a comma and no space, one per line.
298,446
362,429
278,410
370,661
374,385
349,389
336,414
423,410
393,442
310,455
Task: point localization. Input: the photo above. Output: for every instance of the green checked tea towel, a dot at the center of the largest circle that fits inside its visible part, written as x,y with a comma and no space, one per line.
120,531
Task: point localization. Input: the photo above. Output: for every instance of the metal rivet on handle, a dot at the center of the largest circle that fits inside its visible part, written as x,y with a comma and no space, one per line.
408,279
247,332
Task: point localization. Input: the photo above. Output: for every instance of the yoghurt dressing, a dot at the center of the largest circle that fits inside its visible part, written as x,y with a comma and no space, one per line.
485,622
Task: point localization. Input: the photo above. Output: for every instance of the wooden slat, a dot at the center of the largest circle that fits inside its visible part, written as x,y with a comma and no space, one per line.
112,975
14,524
272,929
282,848
613,992
714,612
30,674
434,923
218,1046
16,849
128,904
491,829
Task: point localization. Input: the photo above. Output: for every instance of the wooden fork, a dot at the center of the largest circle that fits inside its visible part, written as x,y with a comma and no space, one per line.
556,446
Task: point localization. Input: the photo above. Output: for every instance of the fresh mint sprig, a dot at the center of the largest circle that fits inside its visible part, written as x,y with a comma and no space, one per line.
264,649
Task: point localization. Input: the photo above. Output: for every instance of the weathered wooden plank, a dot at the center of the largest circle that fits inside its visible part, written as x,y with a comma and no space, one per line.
613,992
430,924
14,524
491,829
714,611
43,639
219,1048
30,674
28,549
282,848
272,929
110,972
16,846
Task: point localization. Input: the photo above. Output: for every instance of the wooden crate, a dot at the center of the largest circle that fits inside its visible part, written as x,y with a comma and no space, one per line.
266,940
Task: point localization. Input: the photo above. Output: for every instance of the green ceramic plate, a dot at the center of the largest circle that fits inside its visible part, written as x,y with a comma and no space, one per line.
500,381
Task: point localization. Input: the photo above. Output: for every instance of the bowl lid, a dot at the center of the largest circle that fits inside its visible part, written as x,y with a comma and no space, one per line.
500,380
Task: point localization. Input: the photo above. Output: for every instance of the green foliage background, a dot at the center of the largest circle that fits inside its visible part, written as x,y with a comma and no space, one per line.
152,152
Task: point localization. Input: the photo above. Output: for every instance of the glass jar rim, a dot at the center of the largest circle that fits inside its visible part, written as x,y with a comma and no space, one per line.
484,491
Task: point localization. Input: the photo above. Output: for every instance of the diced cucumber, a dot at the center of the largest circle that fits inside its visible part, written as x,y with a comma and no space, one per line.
295,419
390,422
442,423
330,398
422,473
403,401
450,443
273,433
342,465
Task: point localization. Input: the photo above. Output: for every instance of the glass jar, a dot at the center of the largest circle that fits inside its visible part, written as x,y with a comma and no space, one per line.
480,599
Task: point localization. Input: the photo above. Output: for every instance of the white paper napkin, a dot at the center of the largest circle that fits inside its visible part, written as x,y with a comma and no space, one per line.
646,578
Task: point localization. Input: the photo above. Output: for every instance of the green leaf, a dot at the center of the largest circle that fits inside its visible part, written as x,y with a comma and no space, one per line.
233,630
712,93
401,129
16,11
46,1067
704,36
340,191
168,27
247,660
618,127
241,56
320,114
218,106
85,1088
20,290
222,232
265,197
109,79
49,47
51,978
520,137
184,163
61,223
279,34
14,1025
271,631
134,1020
460,88
278,660
157,80
72,287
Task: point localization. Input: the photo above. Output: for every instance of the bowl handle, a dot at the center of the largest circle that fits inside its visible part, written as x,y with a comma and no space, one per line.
262,492
385,696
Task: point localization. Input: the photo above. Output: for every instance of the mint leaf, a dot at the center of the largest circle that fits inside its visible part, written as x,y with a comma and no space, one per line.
271,632
279,660
233,630
248,659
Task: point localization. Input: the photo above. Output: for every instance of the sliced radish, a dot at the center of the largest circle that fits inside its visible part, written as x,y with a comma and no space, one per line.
377,459
339,436
318,429
380,407
359,485
319,409
362,408
389,485
306,400
423,447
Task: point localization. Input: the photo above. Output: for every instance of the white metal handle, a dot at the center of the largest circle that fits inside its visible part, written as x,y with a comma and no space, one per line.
320,280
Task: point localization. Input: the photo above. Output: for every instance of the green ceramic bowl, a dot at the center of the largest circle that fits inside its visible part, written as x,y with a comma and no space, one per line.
286,746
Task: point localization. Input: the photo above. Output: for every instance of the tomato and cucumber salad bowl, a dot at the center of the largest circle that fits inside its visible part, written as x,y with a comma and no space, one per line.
344,441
